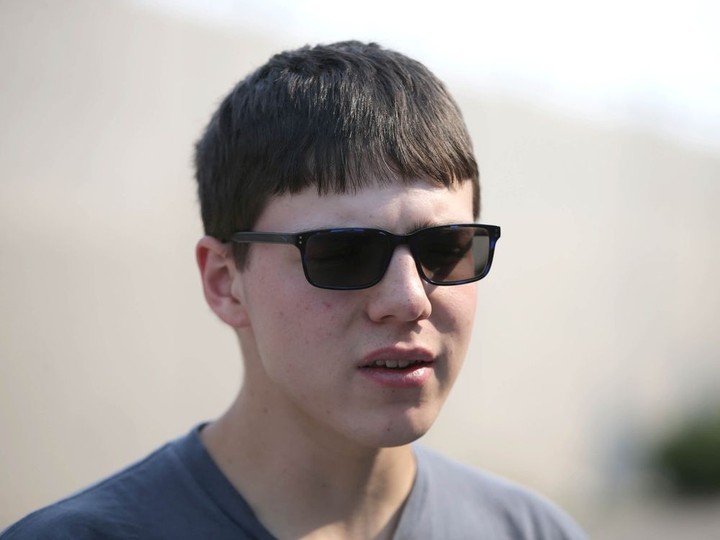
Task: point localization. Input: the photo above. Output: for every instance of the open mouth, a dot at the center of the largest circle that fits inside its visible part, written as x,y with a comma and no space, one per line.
399,373
396,364
399,367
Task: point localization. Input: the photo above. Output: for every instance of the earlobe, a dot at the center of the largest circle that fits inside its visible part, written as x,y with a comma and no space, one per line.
218,274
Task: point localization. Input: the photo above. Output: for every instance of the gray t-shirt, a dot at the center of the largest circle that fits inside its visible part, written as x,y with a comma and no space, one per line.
179,493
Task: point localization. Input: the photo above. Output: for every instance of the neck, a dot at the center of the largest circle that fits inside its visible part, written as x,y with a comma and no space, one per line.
302,485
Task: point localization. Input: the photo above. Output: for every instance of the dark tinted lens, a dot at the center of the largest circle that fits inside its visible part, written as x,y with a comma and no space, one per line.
452,254
346,259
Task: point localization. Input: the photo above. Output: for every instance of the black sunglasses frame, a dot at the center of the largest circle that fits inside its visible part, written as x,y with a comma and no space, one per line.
300,240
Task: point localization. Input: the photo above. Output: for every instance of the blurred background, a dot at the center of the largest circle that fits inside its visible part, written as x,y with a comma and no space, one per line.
594,373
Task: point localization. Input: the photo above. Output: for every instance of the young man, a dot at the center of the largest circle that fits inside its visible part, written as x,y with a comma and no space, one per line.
339,194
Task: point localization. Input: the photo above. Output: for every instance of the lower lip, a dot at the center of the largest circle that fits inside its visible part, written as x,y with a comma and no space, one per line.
409,377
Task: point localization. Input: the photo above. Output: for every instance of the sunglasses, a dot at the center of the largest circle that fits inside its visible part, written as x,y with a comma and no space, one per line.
357,258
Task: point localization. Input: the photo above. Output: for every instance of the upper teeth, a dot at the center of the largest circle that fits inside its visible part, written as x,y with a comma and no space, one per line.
393,363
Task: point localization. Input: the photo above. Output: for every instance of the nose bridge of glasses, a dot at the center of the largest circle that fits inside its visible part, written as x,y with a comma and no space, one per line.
403,242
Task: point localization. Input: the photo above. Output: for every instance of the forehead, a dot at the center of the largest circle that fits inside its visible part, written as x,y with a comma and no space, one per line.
396,207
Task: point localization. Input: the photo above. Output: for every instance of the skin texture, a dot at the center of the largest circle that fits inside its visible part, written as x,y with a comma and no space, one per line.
309,408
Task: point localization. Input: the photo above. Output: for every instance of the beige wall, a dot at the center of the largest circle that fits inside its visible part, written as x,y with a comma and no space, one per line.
596,330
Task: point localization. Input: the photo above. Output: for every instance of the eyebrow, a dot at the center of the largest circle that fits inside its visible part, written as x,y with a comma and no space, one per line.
425,223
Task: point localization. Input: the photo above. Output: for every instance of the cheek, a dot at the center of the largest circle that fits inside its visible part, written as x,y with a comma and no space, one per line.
456,320
301,349
292,326
458,309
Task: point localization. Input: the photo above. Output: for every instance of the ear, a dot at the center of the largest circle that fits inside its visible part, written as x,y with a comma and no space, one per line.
219,276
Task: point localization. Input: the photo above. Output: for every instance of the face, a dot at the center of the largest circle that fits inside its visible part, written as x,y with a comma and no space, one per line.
372,366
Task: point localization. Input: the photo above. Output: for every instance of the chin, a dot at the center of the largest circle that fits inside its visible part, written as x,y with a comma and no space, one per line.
400,430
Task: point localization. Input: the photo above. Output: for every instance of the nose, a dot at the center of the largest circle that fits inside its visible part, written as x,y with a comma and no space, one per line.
401,294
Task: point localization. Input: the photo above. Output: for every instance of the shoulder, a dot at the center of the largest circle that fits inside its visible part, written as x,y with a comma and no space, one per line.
464,499
111,508
65,521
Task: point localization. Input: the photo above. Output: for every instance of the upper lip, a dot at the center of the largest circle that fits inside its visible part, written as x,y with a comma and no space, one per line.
397,354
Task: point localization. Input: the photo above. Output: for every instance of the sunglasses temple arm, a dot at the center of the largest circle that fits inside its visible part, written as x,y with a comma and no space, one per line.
265,238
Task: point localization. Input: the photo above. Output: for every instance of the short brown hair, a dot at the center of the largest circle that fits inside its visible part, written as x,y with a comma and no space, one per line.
338,117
